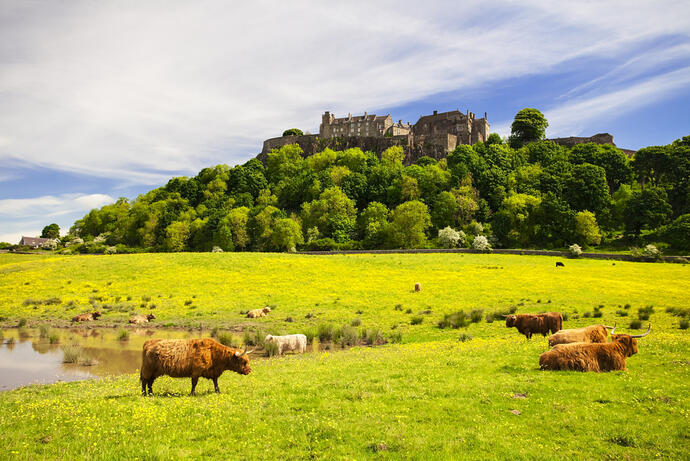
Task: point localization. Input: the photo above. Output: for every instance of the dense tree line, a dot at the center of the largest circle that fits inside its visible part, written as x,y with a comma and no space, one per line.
522,193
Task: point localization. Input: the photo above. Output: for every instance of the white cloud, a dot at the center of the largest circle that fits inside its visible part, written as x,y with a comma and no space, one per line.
137,90
50,206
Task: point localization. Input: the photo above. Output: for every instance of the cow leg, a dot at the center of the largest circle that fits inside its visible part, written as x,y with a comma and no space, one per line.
143,386
215,385
150,385
194,381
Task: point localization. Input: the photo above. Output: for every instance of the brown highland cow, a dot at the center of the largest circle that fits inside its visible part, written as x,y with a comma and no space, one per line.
189,358
138,319
592,356
529,324
86,317
589,334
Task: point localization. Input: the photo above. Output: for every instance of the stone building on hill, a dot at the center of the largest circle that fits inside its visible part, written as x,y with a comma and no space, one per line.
449,129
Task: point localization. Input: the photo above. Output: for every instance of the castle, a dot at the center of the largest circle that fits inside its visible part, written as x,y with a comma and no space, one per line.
434,135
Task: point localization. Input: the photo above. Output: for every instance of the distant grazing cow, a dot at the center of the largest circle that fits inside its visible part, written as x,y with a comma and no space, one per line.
297,343
590,334
559,264
256,313
189,358
86,317
529,324
137,319
592,356
417,287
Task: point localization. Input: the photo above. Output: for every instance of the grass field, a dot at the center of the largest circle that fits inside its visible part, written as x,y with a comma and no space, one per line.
431,397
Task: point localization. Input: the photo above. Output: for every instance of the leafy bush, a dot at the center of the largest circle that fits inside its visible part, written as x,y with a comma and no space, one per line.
271,348
622,313
575,250
476,315
684,324
356,322
635,324
489,318
395,337
416,320
54,338
645,312
22,323
72,353
372,336
227,339
465,337
455,320
449,237
325,332
597,314
481,243
348,336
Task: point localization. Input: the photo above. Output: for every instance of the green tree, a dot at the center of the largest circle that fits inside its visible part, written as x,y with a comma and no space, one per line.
293,132
331,212
372,225
286,235
176,235
515,223
409,224
586,228
51,231
283,163
587,189
444,210
528,126
647,210
237,220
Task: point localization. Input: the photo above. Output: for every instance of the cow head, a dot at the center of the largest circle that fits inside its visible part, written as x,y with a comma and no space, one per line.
266,309
268,338
510,320
150,317
239,362
629,342
95,315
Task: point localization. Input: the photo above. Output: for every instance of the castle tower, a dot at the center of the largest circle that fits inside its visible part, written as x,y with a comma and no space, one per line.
326,128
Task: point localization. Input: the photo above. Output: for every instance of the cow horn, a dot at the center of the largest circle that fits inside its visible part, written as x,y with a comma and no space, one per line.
244,352
610,328
613,329
649,328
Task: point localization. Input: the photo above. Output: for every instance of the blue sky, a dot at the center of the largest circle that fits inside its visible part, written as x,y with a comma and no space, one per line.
100,100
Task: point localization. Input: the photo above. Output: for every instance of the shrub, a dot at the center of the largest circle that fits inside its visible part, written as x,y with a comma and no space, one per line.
216,249
398,307
324,332
627,306
465,337
455,320
22,323
635,324
123,335
684,324
271,348
449,237
188,302
54,338
587,314
72,353
227,339
597,314
645,312
356,322
395,337
372,337
476,315
289,319
214,332
565,316
621,313
416,320
481,243
408,311
575,250
348,336
489,318
651,252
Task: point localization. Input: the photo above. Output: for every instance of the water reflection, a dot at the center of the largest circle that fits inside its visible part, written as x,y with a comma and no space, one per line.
26,358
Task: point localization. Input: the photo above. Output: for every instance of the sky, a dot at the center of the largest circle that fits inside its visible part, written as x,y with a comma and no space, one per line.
100,100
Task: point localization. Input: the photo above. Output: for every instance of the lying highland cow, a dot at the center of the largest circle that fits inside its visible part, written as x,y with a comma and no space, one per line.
138,319
592,356
297,343
189,358
256,313
86,317
529,324
590,334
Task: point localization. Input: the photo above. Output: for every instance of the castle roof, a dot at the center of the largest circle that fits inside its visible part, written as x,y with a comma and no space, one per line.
362,118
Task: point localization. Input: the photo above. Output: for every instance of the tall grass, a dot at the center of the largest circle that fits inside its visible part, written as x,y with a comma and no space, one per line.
72,353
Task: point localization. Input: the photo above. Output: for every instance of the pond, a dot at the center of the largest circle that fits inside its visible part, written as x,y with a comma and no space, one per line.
27,358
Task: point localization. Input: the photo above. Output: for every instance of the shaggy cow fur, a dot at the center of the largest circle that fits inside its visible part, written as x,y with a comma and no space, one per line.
417,287
189,358
529,324
256,313
590,334
297,343
590,356
137,319
86,317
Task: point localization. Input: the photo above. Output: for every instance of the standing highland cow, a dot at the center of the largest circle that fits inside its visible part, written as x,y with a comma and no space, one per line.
189,358
529,324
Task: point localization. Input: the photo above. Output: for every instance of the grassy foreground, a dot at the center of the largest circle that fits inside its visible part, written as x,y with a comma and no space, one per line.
432,397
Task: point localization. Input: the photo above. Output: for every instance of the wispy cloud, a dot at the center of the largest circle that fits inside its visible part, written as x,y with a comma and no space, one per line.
50,206
136,91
